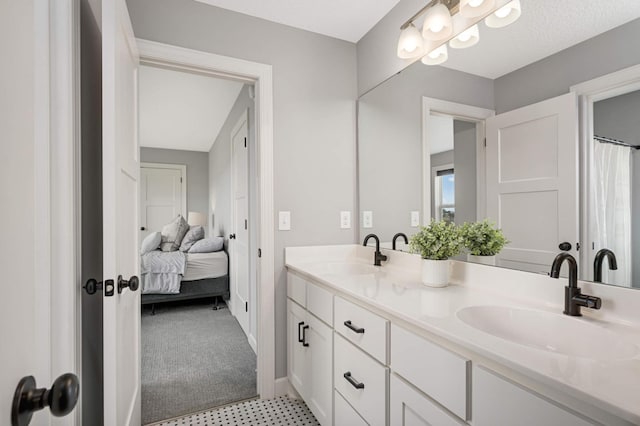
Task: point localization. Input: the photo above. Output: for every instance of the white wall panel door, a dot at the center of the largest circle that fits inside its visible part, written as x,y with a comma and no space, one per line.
120,176
162,196
532,181
239,239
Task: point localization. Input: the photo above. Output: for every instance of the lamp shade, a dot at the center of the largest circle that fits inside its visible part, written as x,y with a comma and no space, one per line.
437,23
197,218
504,16
437,56
410,44
467,38
475,8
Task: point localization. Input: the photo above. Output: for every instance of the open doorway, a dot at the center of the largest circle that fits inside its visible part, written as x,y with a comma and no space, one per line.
197,230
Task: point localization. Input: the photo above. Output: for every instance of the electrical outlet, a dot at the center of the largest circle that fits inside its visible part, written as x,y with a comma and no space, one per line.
284,221
345,220
367,219
415,219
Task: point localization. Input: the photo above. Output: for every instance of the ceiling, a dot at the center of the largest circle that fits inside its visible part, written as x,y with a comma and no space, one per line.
346,20
180,110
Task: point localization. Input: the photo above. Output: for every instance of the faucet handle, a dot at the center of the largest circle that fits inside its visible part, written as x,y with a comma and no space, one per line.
589,301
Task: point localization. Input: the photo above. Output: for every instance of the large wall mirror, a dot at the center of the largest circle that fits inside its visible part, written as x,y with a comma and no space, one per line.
546,146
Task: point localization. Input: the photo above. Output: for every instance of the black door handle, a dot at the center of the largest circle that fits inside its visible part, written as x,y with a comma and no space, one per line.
232,236
565,246
356,384
133,283
92,286
61,398
300,324
304,336
353,327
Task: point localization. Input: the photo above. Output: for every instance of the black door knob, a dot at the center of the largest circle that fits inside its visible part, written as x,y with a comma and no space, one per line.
61,398
133,283
232,236
565,246
142,228
92,286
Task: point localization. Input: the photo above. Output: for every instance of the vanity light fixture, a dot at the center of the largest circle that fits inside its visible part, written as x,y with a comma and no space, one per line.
453,21
504,16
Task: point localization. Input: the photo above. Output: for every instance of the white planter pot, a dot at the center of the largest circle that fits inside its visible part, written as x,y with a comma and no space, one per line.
485,260
435,273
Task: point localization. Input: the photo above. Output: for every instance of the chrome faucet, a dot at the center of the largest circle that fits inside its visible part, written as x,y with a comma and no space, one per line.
395,237
378,257
597,263
573,297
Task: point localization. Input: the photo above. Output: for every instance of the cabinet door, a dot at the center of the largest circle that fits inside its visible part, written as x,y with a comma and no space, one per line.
319,372
497,401
408,407
296,317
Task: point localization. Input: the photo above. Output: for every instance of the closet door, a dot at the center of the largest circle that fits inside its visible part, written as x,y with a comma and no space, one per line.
532,181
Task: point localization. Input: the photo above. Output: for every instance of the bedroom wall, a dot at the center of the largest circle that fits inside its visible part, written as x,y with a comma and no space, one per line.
314,86
197,172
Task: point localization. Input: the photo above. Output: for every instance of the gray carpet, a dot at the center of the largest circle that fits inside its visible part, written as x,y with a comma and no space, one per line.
193,358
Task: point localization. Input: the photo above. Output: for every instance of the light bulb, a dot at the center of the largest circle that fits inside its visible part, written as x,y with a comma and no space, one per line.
476,8
475,3
467,38
503,12
410,43
437,56
437,23
504,16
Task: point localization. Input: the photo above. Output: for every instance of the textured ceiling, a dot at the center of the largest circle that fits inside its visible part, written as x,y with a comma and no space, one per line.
347,20
180,110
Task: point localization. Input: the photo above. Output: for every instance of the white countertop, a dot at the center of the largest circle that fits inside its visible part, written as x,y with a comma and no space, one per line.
395,289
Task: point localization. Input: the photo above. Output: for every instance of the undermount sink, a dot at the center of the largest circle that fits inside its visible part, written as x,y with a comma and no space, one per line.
550,332
345,268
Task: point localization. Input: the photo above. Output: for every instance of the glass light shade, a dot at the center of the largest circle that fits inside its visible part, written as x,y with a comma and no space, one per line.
467,38
504,16
475,8
437,56
437,23
410,44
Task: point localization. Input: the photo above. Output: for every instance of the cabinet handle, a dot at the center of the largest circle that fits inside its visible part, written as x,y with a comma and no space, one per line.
356,384
304,336
353,327
300,324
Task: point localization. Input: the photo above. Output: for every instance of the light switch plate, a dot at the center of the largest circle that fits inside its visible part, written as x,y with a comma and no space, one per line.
367,219
345,220
284,221
415,219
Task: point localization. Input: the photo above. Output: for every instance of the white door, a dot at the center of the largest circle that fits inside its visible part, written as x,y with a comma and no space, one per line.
162,196
120,175
532,181
239,238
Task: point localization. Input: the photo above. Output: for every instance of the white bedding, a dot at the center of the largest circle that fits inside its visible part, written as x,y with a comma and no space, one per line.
160,272
205,265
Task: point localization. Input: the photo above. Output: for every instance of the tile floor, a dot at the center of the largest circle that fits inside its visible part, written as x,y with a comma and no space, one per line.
282,411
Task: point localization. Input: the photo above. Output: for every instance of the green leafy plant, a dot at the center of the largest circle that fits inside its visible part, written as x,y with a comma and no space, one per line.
438,241
483,238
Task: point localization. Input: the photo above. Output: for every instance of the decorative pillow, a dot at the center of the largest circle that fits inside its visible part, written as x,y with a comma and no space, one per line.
208,245
173,233
195,233
151,242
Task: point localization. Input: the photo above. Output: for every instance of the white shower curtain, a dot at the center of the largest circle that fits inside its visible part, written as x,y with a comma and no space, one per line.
611,208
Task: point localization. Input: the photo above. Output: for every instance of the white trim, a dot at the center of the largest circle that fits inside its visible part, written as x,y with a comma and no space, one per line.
178,57
283,387
460,112
183,176
607,86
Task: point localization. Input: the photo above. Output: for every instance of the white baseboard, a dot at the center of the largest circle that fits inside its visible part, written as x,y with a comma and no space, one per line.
283,387
253,343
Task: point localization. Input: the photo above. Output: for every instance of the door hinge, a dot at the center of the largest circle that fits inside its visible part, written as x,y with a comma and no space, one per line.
245,224
245,142
577,246
259,252
485,142
246,306
180,180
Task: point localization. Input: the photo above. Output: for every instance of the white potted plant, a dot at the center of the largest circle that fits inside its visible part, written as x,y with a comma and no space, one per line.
436,243
483,241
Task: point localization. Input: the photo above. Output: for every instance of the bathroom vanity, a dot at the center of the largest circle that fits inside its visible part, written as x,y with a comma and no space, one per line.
371,345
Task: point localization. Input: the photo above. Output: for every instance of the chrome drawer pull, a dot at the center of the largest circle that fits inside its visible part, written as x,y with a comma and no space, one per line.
354,328
356,384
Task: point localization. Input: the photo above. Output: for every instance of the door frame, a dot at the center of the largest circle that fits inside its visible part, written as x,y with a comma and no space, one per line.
588,92
183,175
179,58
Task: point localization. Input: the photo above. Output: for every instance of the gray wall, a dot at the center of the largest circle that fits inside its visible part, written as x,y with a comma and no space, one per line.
314,86
197,173
618,118
390,140
553,76
464,159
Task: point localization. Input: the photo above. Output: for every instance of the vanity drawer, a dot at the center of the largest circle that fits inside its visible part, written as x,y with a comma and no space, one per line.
439,373
363,328
367,390
320,302
344,414
297,289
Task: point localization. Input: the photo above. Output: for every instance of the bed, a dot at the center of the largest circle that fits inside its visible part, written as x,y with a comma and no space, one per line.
195,276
